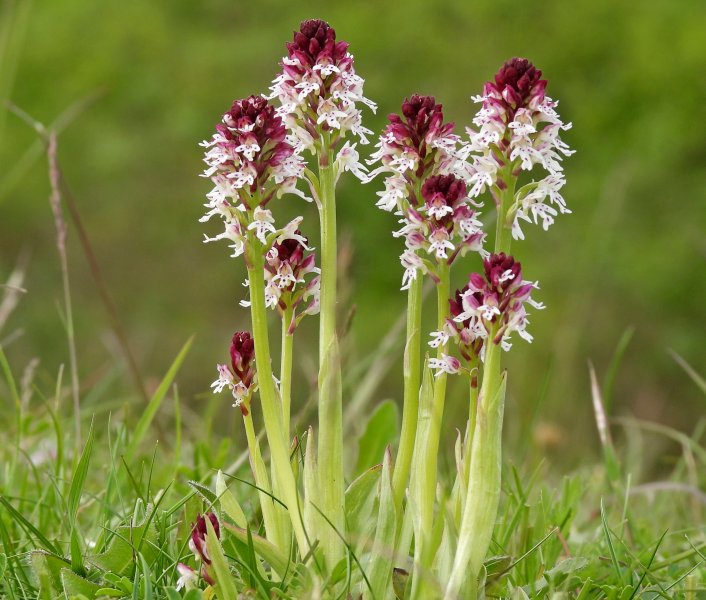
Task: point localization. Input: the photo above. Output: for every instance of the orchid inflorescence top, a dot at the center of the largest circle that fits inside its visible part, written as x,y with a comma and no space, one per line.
518,123
435,183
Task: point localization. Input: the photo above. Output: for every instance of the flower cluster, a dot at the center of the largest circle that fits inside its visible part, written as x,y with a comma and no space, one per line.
444,226
412,147
487,310
197,544
249,162
518,127
241,373
425,186
319,90
286,266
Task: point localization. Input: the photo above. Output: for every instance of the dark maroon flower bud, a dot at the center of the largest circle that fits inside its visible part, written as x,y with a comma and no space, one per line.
242,353
469,343
448,188
502,272
444,196
249,148
197,543
422,116
287,264
316,39
418,132
517,80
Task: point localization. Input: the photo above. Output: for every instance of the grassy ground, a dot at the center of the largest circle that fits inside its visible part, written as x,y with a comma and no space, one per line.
110,516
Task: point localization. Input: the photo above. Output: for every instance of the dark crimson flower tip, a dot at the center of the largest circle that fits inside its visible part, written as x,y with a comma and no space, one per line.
416,107
521,76
242,352
257,111
314,39
447,186
498,268
290,250
198,535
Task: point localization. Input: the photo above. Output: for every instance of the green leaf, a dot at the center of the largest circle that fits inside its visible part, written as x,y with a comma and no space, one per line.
172,594
75,584
380,567
110,592
558,573
120,554
382,430
3,565
311,487
76,552
146,573
225,586
360,499
27,526
47,568
79,477
194,594
155,402
229,504
264,548
204,492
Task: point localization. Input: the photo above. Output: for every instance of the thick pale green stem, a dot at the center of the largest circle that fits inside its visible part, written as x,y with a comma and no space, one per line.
503,229
330,444
485,460
285,373
481,508
426,452
262,481
472,416
412,376
432,444
271,407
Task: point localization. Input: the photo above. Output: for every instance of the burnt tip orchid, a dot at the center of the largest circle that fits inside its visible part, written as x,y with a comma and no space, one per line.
286,266
197,542
445,225
487,310
239,376
249,159
423,118
415,145
319,91
518,129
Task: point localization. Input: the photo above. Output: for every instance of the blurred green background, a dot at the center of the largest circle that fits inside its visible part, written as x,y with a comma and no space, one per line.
148,80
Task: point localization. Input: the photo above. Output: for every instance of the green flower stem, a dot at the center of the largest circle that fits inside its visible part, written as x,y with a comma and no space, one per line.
330,443
262,481
412,376
426,451
503,229
483,494
285,373
484,477
271,407
472,417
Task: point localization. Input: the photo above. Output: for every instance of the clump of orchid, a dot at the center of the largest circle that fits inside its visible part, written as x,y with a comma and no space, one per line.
442,187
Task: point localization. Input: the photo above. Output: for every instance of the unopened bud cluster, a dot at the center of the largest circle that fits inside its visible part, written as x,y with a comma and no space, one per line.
239,376
188,577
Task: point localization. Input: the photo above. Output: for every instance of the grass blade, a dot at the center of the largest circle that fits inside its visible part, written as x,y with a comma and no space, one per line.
155,402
